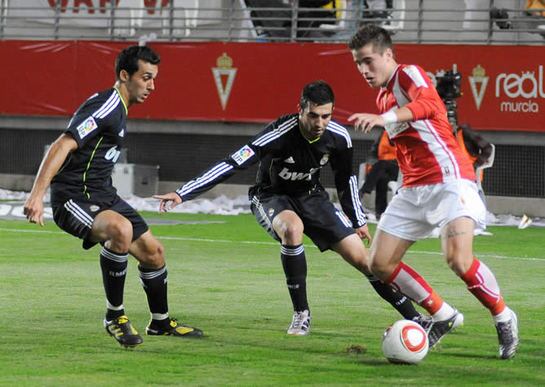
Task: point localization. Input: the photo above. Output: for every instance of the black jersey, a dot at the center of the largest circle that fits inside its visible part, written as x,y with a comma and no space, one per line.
289,164
98,126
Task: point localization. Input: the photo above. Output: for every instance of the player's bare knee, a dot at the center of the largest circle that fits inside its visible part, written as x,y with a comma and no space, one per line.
294,231
359,258
459,263
362,264
154,257
381,268
291,233
155,261
159,256
120,234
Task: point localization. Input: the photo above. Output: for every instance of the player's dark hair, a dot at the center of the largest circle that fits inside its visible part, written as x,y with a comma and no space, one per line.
317,92
370,33
128,58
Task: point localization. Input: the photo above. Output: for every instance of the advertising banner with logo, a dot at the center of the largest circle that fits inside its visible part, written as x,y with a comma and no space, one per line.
503,86
95,16
89,13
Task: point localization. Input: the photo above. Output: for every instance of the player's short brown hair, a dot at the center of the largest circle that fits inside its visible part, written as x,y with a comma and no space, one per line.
370,33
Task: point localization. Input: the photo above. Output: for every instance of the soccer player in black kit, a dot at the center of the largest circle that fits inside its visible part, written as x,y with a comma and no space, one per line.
78,166
288,199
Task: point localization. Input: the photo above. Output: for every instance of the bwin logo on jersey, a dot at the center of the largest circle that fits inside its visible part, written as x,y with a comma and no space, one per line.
287,175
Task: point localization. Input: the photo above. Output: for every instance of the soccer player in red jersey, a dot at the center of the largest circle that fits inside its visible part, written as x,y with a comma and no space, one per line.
438,190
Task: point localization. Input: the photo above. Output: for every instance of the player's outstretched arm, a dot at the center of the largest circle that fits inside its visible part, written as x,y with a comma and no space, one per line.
365,121
168,201
51,163
364,234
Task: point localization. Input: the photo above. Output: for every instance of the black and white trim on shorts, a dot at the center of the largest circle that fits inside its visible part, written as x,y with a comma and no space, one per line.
343,218
263,219
78,213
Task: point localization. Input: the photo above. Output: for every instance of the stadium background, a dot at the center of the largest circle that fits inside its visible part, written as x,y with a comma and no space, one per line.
183,128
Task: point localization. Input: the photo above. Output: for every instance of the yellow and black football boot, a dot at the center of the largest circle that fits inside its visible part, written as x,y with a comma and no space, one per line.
173,328
121,329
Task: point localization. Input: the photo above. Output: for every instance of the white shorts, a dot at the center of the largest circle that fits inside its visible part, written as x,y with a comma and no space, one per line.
415,212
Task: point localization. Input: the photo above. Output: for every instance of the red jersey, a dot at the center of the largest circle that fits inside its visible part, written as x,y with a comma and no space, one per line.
426,149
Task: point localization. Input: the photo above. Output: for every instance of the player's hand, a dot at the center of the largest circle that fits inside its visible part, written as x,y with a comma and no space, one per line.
364,234
34,210
365,122
168,201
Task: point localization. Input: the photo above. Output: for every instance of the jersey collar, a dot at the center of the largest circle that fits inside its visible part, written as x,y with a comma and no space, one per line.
122,100
389,83
306,139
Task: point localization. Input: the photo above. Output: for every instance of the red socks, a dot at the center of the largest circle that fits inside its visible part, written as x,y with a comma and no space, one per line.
410,283
482,283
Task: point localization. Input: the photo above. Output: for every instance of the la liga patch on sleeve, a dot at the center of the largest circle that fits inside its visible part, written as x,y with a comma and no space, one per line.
87,127
242,154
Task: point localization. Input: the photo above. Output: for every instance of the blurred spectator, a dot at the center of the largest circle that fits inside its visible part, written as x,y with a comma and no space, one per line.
274,19
381,10
325,14
531,19
272,22
535,8
501,17
384,169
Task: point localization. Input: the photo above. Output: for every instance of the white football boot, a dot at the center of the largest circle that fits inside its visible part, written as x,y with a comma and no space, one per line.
300,324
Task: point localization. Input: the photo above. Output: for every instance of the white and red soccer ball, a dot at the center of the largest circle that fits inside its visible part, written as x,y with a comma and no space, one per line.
405,342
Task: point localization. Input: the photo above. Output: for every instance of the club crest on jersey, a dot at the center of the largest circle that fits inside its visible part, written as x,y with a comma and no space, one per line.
271,212
94,208
87,127
325,159
242,154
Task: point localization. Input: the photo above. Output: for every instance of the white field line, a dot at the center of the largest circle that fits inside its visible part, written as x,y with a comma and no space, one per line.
206,240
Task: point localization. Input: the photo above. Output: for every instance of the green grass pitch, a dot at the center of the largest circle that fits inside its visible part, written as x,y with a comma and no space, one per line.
225,277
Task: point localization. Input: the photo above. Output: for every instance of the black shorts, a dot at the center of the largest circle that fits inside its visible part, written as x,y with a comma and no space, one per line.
324,224
76,217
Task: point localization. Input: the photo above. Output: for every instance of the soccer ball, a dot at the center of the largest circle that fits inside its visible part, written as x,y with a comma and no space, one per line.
405,342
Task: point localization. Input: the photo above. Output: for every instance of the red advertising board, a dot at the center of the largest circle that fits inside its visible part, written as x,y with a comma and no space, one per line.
503,86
